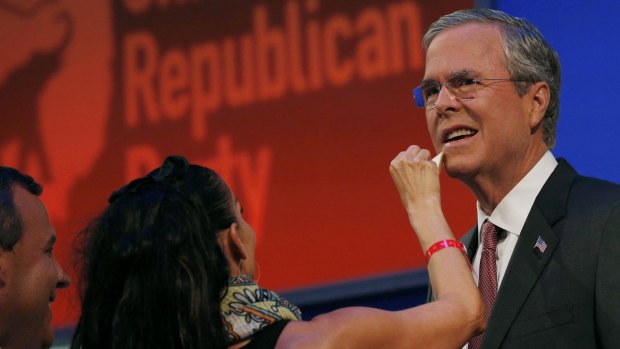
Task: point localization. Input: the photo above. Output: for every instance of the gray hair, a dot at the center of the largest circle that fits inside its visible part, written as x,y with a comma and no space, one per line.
529,57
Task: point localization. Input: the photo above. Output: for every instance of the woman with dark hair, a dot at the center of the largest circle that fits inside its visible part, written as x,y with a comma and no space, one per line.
170,264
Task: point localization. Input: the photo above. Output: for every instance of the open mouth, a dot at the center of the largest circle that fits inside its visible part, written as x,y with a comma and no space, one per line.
459,134
51,299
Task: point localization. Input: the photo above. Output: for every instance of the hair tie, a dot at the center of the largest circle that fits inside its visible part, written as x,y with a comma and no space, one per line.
172,171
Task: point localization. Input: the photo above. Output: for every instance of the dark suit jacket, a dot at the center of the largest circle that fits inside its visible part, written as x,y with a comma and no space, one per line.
568,296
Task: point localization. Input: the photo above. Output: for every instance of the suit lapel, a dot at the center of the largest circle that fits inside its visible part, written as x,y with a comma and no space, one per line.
526,265
527,262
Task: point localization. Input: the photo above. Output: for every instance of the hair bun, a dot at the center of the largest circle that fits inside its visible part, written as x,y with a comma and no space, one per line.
171,172
172,169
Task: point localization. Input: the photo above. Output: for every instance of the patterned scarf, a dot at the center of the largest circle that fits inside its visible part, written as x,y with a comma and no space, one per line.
247,309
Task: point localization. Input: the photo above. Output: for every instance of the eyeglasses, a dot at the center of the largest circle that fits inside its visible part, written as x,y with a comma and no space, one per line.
458,87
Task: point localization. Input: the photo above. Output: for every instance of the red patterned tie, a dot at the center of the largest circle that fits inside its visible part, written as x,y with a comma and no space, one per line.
488,275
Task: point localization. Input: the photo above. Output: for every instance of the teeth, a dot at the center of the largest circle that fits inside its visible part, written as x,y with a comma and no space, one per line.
459,133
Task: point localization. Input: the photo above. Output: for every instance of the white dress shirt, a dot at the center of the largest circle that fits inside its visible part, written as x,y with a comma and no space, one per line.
511,213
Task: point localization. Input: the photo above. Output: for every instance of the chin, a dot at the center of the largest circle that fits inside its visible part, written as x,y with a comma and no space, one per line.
48,338
458,172
48,343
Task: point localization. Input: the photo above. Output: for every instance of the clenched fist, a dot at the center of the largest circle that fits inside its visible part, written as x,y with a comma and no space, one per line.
417,179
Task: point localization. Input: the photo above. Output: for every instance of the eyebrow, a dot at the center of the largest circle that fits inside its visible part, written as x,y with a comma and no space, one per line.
453,75
461,74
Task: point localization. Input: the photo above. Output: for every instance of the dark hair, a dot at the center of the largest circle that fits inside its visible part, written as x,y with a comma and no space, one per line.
10,220
529,57
154,273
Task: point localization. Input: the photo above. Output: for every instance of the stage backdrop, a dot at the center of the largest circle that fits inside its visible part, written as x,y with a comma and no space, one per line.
299,105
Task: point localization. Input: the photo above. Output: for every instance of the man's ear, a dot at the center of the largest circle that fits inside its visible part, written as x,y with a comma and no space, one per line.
540,97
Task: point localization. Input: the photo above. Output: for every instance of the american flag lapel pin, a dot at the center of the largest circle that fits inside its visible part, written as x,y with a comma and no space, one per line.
540,245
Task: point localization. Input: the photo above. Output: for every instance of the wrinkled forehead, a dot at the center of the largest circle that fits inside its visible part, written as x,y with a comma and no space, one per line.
475,48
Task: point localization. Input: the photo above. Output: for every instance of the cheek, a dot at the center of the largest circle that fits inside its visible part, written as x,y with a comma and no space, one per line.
508,138
514,125
32,298
252,233
431,126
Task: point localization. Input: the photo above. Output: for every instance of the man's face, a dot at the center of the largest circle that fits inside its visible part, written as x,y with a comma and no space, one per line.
492,131
31,275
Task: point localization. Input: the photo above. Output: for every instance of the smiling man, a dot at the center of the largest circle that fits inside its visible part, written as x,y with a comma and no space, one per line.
29,273
547,265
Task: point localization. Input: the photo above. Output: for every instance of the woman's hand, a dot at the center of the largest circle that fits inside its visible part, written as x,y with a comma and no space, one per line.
417,180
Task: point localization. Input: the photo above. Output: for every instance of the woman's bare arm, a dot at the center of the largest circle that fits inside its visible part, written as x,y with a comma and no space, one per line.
448,322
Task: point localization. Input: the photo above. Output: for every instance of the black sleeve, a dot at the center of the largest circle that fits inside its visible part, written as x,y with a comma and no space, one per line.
268,337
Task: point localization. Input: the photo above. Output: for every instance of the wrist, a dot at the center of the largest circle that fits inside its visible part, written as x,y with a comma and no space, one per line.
428,212
430,227
442,244
427,203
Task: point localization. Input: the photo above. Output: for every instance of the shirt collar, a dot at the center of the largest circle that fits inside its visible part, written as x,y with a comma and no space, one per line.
511,213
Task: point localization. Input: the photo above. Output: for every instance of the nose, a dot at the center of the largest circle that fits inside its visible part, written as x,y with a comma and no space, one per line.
446,101
63,278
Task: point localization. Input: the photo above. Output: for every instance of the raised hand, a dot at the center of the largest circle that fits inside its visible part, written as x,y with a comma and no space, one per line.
417,180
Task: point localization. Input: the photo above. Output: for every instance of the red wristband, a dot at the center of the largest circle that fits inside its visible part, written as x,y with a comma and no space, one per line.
441,244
